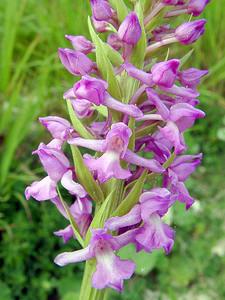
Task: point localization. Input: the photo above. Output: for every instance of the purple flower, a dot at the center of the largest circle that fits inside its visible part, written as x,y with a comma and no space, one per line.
66,234
91,89
115,146
196,7
100,26
115,149
177,188
101,10
157,200
145,78
181,91
114,41
184,115
165,73
172,134
95,91
183,166
83,108
53,160
155,235
191,77
58,127
110,269
42,190
170,2
179,117
189,32
130,30
75,62
73,187
80,43
81,211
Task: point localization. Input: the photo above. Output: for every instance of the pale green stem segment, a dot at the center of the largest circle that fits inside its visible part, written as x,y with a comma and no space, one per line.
87,292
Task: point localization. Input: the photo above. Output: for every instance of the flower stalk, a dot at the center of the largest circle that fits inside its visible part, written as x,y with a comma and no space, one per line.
129,109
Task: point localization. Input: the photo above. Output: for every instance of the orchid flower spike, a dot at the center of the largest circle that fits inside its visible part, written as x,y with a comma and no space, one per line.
129,112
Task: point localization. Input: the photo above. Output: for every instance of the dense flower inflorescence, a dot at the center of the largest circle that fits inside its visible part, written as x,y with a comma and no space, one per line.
129,112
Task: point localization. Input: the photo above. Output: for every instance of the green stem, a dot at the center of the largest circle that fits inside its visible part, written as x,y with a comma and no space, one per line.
87,292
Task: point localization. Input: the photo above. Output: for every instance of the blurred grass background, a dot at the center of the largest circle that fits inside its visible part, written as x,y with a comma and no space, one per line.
32,82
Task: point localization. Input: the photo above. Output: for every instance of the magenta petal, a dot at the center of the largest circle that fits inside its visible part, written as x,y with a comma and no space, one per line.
130,29
101,10
58,127
56,144
66,234
196,7
185,165
73,187
145,78
158,200
133,217
184,115
107,166
128,109
183,195
158,103
41,190
96,145
75,62
117,139
191,77
72,257
80,43
111,271
189,32
172,134
152,164
165,73
83,108
81,211
155,235
53,160
91,89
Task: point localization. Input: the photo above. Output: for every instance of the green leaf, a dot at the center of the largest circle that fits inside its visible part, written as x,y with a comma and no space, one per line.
113,55
100,216
186,57
147,130
104,64
131,125
85,177
121,8
72,221
5,292
102,110
145,262
77,124
132,198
